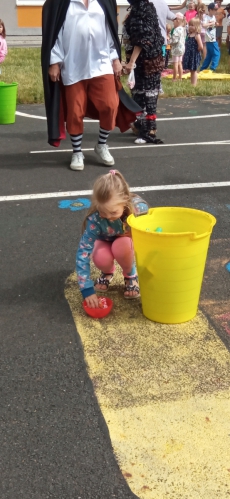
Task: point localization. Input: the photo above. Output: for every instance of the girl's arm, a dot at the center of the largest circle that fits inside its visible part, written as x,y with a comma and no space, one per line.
85,248
3,50
199,43
183,5
175,37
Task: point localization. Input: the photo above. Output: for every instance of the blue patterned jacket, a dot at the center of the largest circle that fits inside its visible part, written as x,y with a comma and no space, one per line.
98,228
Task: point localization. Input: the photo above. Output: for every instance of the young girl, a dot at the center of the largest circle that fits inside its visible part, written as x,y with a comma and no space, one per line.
191,12
193,49
3,45
108,237
168,46
177,42
201,9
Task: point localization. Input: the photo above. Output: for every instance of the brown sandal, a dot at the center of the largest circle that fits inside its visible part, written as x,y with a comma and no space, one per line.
103,280
129,286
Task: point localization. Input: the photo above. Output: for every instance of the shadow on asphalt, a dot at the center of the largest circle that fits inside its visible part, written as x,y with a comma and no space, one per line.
55,442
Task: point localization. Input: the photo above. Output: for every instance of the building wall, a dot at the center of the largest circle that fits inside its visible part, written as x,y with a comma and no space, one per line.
23,17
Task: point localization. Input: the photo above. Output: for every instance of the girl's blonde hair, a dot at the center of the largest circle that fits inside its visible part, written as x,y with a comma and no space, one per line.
4,29
107,186
195,21
169,27
201,8
182,20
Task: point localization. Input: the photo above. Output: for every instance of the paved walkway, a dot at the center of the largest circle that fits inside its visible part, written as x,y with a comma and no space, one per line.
24,41
120,408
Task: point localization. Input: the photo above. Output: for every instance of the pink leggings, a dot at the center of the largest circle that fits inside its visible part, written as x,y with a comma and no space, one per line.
121,250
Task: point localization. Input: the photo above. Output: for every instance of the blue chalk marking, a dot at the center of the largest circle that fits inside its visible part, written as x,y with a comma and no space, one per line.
74,204
228,266
158,229
210,209
228,206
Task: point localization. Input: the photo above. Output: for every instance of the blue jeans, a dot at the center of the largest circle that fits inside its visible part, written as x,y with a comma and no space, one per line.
212,57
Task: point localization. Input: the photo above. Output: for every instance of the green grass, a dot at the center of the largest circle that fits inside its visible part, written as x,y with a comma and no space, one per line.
23,66
203,88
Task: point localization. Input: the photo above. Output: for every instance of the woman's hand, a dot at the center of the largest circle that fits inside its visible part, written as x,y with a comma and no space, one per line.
54,72
92,301
128,67
117,67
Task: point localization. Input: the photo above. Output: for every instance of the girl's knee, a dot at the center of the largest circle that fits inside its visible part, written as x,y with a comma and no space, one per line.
122,245
102,255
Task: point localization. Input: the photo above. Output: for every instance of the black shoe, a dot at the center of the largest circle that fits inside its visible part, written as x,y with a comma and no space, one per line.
148,139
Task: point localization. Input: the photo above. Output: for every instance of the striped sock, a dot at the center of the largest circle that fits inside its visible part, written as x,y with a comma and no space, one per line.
76,141
103,136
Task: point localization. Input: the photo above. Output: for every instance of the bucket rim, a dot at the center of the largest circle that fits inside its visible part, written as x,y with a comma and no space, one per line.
192,234
13,84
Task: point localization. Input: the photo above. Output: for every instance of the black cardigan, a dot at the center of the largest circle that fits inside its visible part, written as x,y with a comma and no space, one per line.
53,17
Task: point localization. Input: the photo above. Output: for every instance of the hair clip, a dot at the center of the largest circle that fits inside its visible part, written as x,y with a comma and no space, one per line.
113,172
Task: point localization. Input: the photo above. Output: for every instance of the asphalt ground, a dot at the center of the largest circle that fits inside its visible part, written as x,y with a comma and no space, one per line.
55,438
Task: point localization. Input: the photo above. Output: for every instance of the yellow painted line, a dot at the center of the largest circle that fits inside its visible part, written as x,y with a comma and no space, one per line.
164,393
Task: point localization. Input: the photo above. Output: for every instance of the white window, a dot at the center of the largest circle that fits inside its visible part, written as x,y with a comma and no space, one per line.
28,3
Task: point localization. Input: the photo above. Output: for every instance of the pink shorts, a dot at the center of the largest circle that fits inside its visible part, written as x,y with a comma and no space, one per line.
177,58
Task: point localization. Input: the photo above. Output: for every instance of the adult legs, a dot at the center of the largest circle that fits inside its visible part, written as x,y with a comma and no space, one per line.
145,93
219,31
76,102
102,93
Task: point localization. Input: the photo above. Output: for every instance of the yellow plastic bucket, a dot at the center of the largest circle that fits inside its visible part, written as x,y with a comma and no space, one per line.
171,261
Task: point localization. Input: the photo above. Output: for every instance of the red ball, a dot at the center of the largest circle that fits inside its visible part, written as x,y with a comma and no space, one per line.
99,313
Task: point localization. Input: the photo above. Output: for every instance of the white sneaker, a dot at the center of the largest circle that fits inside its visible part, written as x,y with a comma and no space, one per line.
102,151
140,141
77,161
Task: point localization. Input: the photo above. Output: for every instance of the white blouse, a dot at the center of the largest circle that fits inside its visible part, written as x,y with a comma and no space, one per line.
84,47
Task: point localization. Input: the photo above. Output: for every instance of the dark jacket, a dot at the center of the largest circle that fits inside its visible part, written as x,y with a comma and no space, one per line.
53,17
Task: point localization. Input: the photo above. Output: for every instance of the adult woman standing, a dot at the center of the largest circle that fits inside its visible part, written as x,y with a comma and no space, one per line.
143,48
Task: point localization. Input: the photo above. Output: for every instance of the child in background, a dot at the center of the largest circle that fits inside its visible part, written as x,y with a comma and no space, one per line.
3,44
227,8
177,42
213,52
193,48
220,14
168,46
201,9
191,12
107,237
